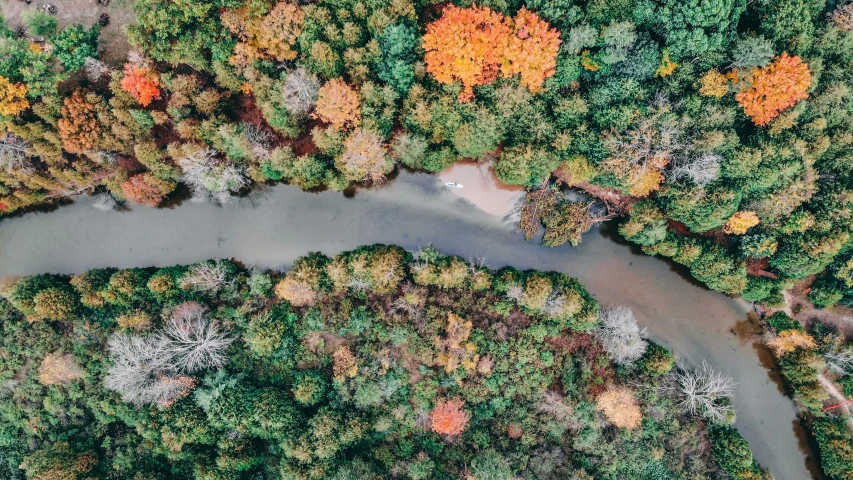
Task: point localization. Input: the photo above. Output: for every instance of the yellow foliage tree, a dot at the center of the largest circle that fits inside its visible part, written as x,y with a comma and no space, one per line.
57,369
13,98
338,104
364,157
790,340
740,222
713,84
667,66
454,349
620,407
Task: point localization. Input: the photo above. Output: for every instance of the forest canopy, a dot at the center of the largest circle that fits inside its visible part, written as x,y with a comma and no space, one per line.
374,363
717,132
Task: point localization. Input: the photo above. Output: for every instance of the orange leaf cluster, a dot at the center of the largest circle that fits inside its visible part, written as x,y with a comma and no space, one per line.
338,104
472,45
779,85
141,83
79,128
448,417
532,50
12,97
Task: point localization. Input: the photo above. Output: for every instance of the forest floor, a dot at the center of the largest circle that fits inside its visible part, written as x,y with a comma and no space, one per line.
113,43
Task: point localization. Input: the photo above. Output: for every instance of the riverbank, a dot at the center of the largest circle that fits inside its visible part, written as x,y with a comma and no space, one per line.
414,211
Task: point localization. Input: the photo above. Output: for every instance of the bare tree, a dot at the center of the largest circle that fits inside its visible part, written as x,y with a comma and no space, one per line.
205,172
195,342
95,69
705,392
260,142
839,361
701,170
300,92
151,370
514,292
621,336
14,152
208,277
554,405
140,365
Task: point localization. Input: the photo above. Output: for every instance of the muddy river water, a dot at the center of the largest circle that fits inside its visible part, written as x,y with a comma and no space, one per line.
273,226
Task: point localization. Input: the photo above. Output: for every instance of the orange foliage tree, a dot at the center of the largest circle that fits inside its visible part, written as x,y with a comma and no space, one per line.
338,104
448,417
531,51
146,189
12,97
79,127
473,45
141,83
779,85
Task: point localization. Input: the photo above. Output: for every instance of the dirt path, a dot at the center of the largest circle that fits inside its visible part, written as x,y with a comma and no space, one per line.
114,45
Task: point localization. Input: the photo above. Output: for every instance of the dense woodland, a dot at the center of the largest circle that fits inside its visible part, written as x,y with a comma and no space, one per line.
375,363
716,128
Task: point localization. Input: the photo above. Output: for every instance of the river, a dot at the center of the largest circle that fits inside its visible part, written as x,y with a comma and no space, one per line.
274,225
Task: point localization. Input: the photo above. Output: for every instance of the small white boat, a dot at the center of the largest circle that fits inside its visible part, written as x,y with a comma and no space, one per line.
453,185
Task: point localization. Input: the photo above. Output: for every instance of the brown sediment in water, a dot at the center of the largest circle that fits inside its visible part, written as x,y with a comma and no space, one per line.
482,187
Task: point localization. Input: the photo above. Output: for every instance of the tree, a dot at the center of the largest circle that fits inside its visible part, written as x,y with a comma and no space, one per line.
398,45
141,83
740,222
466,45
620,335
195,343
206,173
55,304
473,45
448,417
39,23
338,104
275,34
790,340
74,44
59,369
698,27
12,97
778,86
365,157
531,51
14,153
300,92
620,407
705,392
209,277
146,189
79,127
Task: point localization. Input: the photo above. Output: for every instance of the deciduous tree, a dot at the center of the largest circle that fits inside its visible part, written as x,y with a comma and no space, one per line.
778,86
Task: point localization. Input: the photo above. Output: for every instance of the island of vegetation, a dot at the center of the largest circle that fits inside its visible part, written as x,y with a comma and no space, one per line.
375,363
718,130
